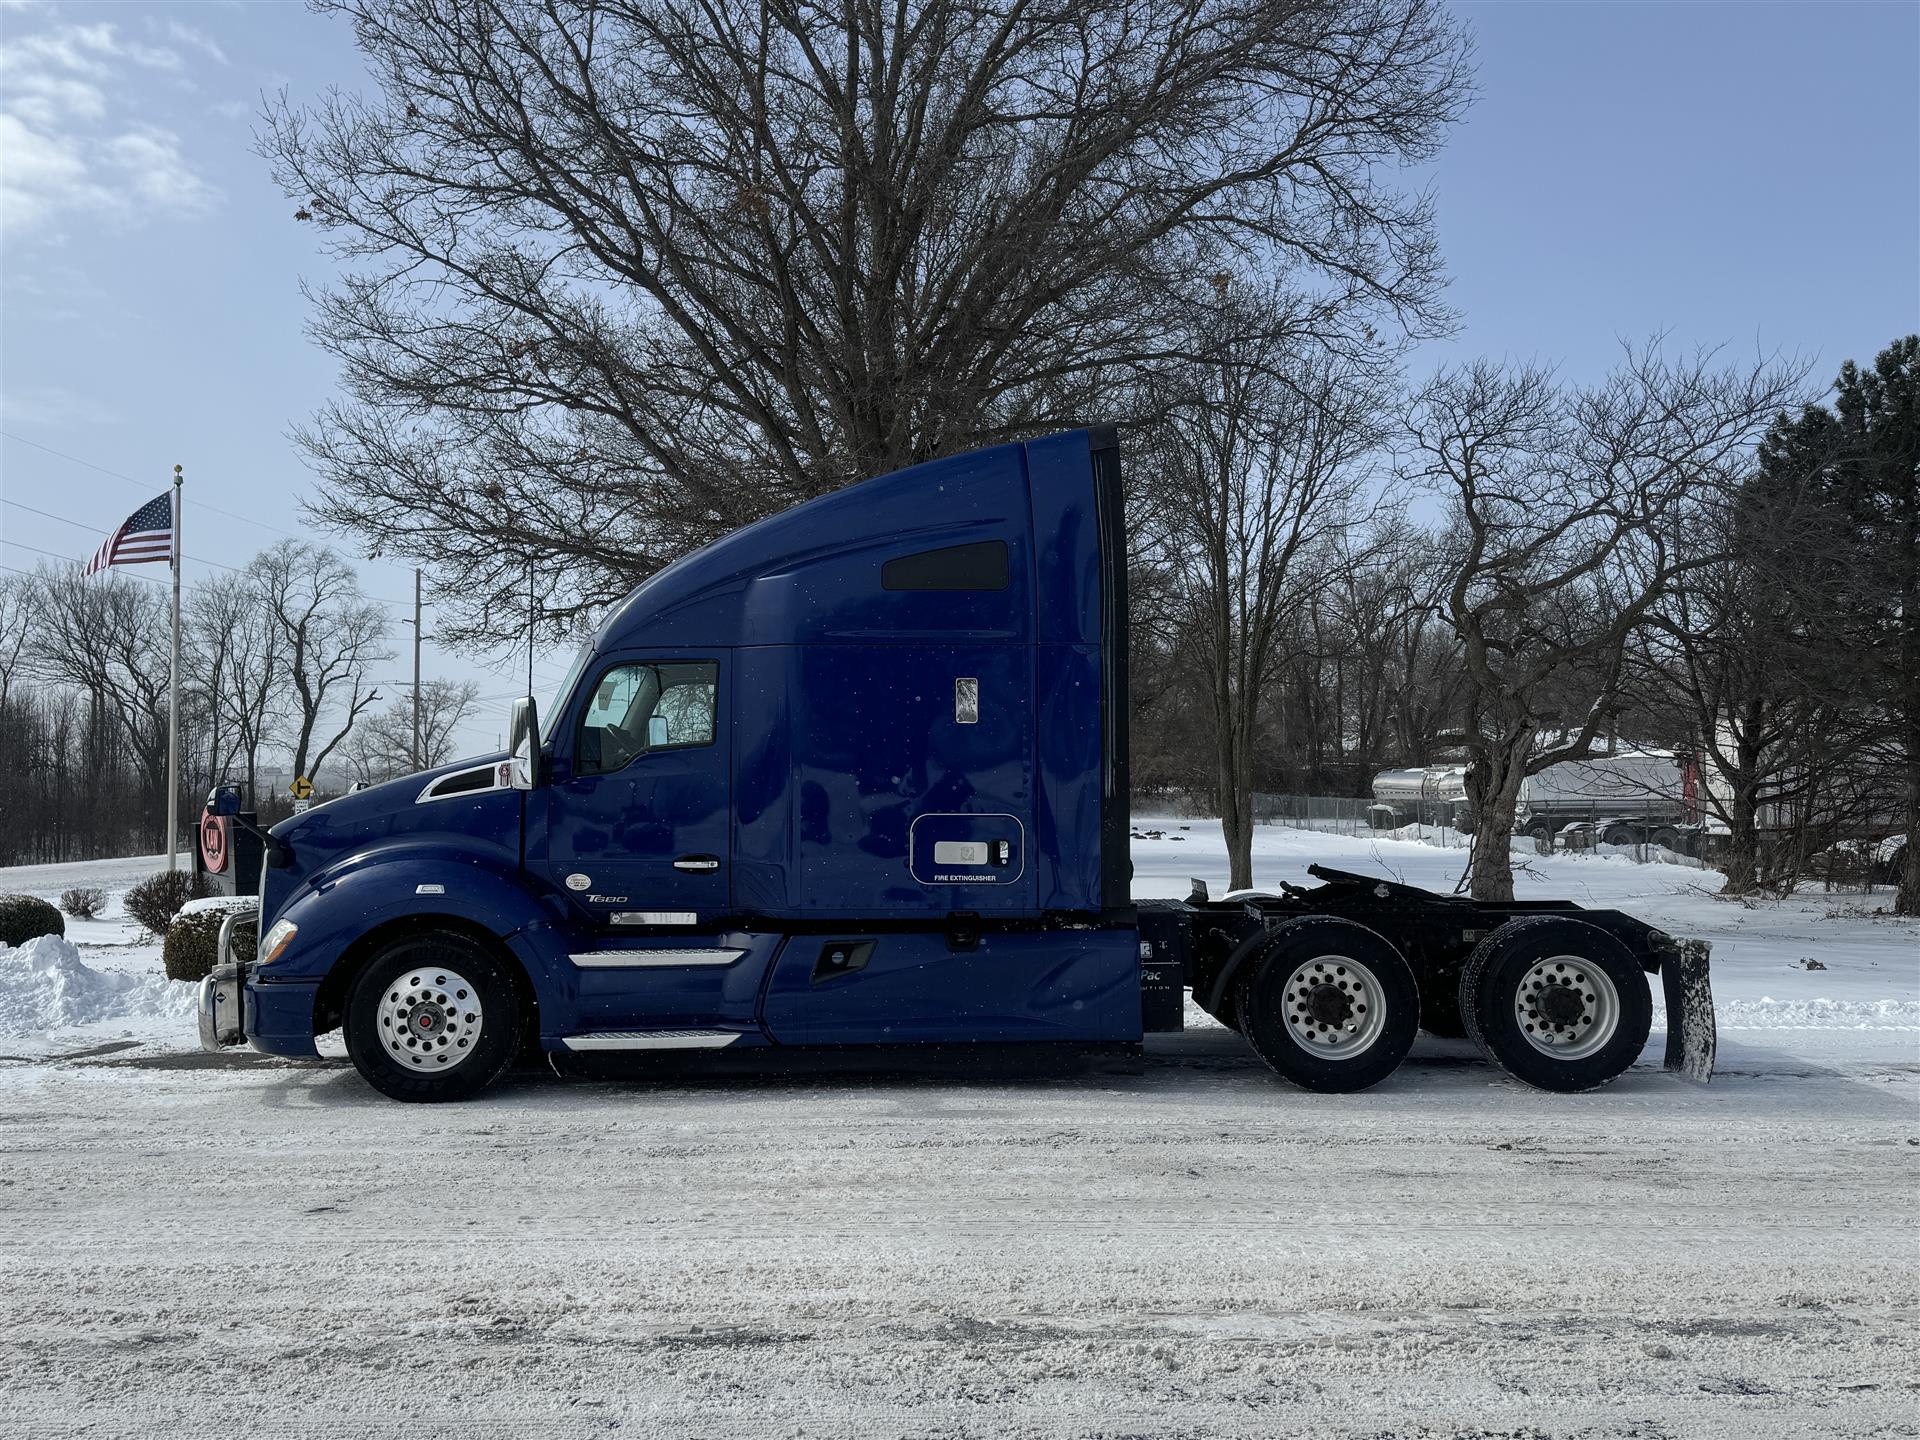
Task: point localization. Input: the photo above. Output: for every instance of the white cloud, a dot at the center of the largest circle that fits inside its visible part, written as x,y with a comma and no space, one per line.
43,100
154,172
41,174
197,39
53,406
66,149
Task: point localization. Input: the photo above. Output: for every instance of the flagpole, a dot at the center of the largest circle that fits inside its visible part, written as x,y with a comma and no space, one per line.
173,692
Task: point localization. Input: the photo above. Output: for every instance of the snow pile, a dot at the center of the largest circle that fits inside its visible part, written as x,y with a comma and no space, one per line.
220,902
44,985
1767,1013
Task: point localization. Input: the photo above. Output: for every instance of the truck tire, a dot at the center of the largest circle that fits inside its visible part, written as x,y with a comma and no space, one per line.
432,1017
1541,833
1329,1005
1556,1002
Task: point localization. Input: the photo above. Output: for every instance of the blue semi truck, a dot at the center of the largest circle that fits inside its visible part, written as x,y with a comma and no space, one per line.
856,775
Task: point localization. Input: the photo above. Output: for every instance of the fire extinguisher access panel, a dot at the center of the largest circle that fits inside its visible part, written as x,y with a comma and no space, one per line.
958,849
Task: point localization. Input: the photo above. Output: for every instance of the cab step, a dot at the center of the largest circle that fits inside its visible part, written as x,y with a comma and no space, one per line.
652,1040
656,957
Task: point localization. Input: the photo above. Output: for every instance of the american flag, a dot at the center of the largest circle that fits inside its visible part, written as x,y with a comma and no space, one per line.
146,535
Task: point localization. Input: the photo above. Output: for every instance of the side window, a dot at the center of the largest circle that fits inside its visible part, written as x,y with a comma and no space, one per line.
980,566
636,708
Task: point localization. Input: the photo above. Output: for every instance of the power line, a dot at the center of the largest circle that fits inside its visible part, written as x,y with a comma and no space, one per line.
145,484
199,504
196,559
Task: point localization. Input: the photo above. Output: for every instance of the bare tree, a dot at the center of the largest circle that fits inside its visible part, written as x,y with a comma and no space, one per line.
252,692
1391,668
108,636
1257,464
214,613
1563,504
627,273
381,745
18,604
328,636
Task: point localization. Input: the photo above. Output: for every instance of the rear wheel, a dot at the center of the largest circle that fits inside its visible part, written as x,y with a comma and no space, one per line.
432,1017
1329,1004
1556,1002
1541,834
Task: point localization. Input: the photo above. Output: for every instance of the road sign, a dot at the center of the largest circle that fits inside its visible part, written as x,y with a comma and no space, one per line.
214,842
301,787
300,807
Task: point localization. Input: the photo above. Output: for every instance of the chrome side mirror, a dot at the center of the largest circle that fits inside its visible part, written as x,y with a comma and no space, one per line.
223,800
656,731
523,746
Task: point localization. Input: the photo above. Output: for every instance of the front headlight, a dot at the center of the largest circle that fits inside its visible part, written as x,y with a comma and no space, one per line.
276,940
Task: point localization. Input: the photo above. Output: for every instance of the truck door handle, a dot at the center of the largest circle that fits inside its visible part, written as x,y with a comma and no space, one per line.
698,864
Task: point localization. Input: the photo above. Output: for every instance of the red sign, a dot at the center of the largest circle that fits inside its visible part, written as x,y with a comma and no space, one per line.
213,842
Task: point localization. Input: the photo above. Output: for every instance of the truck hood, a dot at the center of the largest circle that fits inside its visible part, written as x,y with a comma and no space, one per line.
336,821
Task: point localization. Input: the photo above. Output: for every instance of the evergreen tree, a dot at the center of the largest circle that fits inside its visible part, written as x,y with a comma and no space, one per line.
1861,454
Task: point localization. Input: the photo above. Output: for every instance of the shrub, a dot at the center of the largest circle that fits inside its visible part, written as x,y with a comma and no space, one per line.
156,900
192,946
27,917
84,902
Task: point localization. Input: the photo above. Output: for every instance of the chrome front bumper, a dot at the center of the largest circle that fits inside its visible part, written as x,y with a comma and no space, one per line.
223,994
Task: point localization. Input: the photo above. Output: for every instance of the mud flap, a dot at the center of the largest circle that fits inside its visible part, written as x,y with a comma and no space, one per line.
1691,1038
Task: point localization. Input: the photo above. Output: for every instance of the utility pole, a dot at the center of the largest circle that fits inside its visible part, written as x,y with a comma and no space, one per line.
416,670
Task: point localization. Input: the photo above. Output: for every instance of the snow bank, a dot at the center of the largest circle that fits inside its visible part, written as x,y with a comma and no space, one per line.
1767,1013
44,985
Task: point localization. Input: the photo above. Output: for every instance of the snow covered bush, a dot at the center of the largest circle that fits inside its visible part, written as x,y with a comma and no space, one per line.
193,937
156,900
27,917
84,902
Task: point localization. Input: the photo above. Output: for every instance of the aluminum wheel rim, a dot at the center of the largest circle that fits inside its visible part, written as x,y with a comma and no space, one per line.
430,1019
1317,989
1543,1007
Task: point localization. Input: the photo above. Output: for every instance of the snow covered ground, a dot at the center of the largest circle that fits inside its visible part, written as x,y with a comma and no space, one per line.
1180,1245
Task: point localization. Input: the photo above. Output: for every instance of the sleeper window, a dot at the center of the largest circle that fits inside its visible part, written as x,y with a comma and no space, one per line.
637,708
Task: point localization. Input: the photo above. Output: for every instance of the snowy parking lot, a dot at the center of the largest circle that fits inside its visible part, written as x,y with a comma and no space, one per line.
1178,1244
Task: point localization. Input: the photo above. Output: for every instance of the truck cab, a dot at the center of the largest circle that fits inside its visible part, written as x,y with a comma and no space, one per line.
853,775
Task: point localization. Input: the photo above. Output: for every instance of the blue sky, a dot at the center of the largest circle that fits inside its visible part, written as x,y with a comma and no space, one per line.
1738,174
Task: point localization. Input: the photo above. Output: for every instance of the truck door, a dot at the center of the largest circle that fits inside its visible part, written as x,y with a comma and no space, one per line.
639,813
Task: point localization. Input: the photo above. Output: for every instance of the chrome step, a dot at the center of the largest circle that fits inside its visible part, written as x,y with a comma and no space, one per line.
652,1040
653,959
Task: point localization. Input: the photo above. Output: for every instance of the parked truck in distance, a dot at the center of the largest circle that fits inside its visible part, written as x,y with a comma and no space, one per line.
1631,797
856,775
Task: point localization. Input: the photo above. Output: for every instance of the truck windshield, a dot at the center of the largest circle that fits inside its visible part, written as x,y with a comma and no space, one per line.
563,690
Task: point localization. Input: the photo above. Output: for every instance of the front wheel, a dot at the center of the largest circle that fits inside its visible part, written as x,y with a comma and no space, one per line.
1329,1004
432,1017
1556,1002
